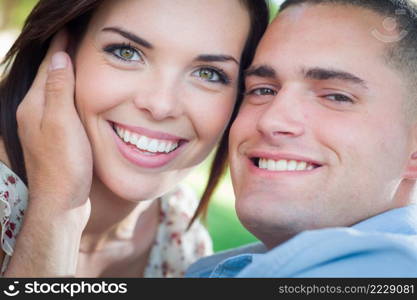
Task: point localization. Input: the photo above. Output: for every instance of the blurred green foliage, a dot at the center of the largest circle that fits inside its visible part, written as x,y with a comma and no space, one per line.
225,229
14,12
273,9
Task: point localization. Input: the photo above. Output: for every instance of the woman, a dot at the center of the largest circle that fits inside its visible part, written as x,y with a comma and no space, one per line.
155,87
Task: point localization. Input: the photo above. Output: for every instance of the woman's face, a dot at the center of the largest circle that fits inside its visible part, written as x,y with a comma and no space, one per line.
156,83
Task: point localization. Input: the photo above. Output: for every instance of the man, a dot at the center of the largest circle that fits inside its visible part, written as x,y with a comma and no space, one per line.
324,150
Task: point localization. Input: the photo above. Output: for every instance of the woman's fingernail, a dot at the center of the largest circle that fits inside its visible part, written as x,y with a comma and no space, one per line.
58,61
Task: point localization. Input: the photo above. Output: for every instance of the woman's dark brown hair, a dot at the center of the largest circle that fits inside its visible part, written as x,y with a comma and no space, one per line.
259,14
46,19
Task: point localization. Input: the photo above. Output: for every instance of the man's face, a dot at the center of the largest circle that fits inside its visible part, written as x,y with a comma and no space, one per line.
321,139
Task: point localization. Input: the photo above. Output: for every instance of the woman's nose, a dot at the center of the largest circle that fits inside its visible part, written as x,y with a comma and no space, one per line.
160,100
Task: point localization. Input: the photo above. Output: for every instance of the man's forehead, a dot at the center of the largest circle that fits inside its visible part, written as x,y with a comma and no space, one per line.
323,33
328,16
335,9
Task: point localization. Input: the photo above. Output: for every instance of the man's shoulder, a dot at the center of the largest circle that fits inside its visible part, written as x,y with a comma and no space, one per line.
204,266
339,252
367,250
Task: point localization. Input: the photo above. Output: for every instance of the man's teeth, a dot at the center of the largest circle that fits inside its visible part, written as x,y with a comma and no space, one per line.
145,143
284,165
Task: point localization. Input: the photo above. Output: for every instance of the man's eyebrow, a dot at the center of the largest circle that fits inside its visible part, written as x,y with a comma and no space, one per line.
263,71
328,74
130,36
214,58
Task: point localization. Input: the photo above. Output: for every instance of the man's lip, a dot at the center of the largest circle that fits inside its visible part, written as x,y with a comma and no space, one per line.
282,156
149,133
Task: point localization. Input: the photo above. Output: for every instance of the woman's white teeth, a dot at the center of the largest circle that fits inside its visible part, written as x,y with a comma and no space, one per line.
284,165
144,143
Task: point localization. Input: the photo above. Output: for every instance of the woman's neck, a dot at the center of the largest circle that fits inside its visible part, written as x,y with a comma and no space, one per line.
115,221
118,238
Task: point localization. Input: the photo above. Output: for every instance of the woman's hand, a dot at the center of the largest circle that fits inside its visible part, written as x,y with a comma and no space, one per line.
59,165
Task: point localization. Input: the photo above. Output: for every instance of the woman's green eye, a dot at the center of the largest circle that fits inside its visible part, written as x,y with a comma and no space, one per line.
208,74
127,53
211,75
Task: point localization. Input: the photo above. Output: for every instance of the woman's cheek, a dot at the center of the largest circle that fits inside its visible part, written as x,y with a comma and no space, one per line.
100,91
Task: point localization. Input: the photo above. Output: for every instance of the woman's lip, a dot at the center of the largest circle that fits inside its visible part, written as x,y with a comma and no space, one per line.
134,155
149,133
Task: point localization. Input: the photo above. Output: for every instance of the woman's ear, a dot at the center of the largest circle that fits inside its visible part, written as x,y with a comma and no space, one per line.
72,47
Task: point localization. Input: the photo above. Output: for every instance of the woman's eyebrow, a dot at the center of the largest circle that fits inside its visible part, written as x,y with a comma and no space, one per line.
129,35
214,58
138,40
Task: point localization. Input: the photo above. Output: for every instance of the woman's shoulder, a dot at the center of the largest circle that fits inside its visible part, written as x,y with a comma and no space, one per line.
13,202
9,180
177,210
180,201
13,191
176,247
3,154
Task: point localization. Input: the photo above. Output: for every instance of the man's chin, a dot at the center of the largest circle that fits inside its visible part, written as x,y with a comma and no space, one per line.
269,231
266,215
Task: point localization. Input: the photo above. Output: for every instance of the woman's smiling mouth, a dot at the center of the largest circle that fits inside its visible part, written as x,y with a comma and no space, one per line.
144,143
146,148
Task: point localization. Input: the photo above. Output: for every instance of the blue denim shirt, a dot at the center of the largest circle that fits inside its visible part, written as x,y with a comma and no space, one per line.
382,246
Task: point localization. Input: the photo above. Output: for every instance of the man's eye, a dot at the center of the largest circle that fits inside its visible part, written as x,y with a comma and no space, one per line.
211,75
124,52
339,98
262,92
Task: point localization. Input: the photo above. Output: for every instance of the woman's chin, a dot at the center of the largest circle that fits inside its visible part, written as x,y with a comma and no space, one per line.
129,189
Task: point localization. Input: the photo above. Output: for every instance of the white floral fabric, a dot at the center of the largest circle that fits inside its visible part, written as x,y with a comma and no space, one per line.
13,202
174,247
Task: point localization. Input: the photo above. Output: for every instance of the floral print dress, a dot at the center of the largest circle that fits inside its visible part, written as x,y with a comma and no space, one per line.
174,248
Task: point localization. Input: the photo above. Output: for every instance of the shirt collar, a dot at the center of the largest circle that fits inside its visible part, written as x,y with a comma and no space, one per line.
399,220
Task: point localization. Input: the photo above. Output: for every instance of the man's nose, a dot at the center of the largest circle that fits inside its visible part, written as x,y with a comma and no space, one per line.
282,117
159,99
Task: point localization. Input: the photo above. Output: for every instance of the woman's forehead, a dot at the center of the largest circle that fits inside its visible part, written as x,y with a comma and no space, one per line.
195,24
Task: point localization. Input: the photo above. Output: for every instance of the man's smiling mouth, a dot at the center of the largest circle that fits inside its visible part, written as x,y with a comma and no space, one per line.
283,165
